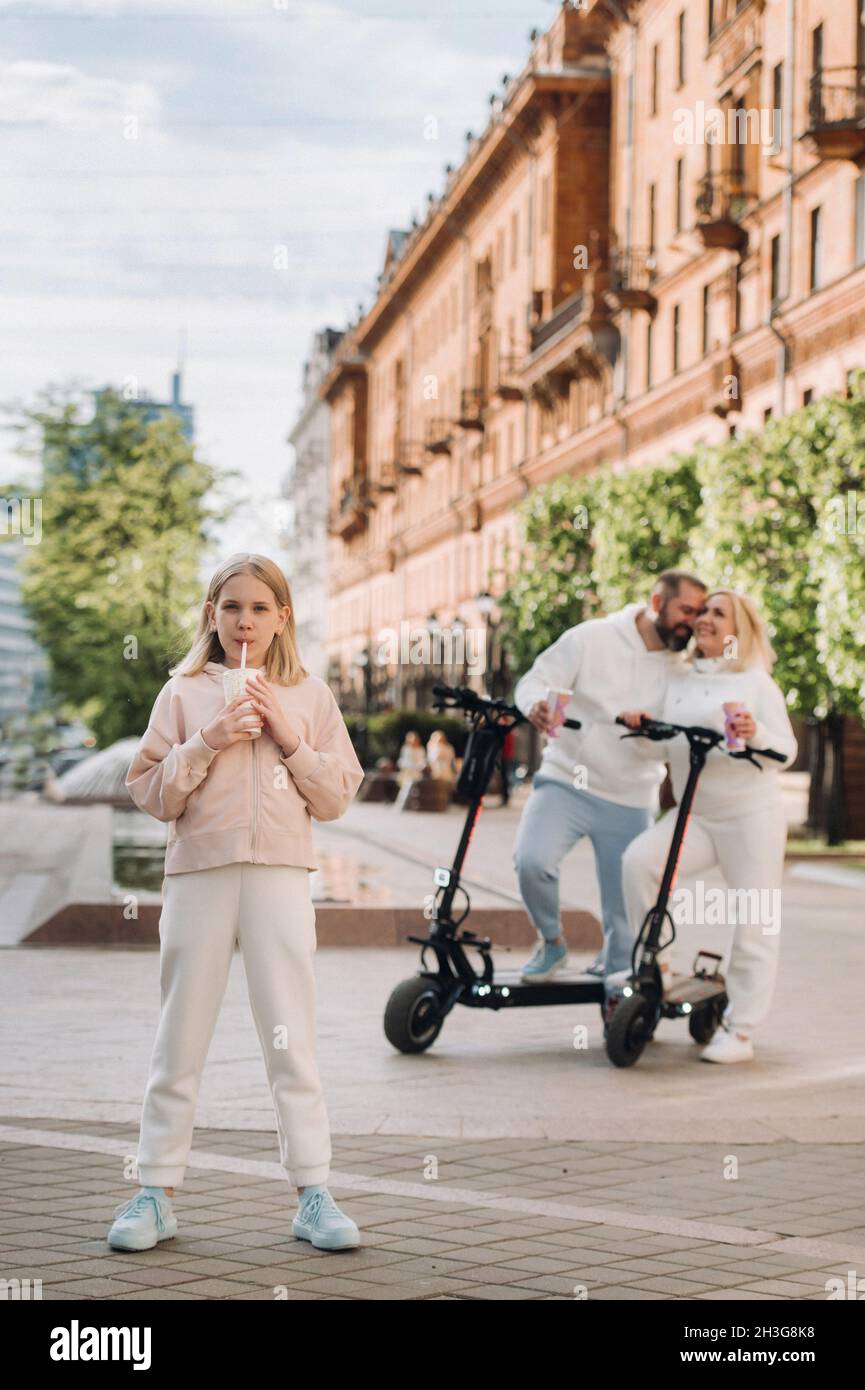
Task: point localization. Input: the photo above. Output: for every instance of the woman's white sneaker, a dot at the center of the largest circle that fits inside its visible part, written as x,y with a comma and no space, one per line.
727,1046
142,1221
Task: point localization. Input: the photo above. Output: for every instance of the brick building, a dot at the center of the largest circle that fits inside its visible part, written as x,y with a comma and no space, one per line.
658,238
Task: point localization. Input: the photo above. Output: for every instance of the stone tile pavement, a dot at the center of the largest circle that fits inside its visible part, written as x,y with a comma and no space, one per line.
483,1219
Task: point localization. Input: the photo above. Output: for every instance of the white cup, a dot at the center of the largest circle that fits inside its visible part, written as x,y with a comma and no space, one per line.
234,684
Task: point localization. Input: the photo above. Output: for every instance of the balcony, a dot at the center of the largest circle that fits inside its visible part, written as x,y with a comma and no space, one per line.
568,313
578,339
632,275
836,113
349,518
722,202
438,436
508,386
472,402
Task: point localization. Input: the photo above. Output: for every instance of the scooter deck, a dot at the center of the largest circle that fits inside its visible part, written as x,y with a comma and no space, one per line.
692,989
509,990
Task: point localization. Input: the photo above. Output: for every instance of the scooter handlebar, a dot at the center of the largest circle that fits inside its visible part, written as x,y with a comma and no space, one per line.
655,729
464,698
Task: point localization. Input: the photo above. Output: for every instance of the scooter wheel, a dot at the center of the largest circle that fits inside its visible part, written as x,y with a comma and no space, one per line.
703,1025
630,1028
413,1018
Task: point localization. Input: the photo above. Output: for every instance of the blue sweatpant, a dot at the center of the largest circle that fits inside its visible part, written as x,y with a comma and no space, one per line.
555,817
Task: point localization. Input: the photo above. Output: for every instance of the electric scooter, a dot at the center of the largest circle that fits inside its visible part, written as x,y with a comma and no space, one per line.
418,1007
632,1016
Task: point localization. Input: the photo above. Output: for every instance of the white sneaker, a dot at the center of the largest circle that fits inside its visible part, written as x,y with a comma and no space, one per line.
727,1046
142,1221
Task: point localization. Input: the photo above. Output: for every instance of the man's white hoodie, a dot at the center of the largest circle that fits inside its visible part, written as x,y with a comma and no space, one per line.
607,665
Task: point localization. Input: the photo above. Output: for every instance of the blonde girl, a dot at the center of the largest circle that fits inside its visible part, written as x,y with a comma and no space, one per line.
239,781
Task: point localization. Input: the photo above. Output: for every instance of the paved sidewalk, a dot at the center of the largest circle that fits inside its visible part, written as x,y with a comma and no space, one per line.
479,1220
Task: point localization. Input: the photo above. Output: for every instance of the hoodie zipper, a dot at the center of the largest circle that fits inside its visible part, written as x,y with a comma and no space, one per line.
252,743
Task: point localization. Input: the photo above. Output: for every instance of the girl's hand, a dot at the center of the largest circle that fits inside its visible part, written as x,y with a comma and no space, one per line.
633,717
282,730
744,725
234,723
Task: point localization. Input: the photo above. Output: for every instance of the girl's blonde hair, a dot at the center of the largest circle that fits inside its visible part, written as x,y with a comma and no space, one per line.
752,639
282,663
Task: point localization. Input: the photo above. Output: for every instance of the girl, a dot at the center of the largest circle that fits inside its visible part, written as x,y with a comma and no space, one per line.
737,817
239,781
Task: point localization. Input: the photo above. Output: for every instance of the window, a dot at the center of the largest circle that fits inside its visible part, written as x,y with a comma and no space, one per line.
656,63
680,193
529,228
545,205
808,395
859,232
737,299
737,156
706,326
711,18
652,201
680,60
775,276
816,49
767,415
816,257
677,334
650,343
777,107
515,238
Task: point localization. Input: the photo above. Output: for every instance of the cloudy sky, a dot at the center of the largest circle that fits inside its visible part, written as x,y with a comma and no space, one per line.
156,153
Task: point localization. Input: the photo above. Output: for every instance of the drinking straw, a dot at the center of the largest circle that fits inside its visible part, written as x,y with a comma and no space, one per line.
243,658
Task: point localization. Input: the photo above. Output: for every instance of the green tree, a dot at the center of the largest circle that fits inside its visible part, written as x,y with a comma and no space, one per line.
112,585
645,523
552,582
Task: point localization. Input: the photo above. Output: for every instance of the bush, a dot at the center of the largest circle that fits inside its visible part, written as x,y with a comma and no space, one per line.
387,732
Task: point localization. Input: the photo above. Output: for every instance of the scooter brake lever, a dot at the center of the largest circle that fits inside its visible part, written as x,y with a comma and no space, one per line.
746,755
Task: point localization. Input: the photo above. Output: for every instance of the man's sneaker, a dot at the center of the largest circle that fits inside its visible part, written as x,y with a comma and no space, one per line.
320,1221
142,1221
727,1046
596,967
548,958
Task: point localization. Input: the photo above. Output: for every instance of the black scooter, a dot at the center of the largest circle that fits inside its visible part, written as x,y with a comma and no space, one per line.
418,1007
632,1016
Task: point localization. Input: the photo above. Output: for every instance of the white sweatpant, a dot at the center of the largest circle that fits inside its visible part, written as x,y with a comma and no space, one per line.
269,910
749,851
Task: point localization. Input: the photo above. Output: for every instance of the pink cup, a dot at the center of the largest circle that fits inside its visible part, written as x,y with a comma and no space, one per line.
559,700
731,708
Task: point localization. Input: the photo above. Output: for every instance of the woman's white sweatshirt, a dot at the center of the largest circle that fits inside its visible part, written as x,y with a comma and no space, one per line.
727,786
609,668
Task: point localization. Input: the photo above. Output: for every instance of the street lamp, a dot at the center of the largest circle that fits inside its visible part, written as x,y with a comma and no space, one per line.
362,662
485,603
432,627
458,628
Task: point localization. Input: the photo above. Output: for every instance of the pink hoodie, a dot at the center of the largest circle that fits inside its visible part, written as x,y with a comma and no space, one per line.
248,802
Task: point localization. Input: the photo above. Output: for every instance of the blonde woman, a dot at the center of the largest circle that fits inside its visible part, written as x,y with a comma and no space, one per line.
240,782
737,820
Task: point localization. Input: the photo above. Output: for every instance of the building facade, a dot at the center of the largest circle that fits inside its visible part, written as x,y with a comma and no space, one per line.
659,238
306,489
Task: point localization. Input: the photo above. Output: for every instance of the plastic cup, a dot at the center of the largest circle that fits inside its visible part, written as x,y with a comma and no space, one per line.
234,684
558,700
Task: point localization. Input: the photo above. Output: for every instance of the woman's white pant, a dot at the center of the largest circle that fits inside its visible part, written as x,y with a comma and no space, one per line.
268,909
749,851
